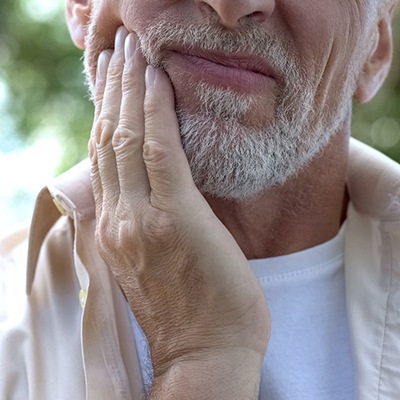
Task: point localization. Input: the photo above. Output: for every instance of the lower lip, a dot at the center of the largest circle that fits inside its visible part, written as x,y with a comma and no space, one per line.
238,79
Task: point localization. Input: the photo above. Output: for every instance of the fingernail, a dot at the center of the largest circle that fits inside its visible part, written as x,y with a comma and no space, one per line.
102,65
120,36
150,76
130,46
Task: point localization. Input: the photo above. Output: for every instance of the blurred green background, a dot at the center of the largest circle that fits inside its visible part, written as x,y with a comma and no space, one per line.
45,114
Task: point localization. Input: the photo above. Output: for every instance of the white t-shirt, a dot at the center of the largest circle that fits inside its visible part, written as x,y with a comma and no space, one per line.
309,355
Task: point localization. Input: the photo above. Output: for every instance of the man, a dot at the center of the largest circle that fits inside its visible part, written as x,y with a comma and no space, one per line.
221,135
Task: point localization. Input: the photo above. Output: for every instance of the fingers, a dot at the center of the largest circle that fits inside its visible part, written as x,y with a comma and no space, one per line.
113,90
108,121
135,148
167,166
102,68
95,177
129,136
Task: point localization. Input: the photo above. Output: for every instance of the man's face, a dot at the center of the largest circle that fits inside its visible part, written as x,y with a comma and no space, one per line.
255,100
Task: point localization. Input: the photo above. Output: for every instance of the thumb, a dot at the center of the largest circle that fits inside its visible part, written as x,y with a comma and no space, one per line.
166,163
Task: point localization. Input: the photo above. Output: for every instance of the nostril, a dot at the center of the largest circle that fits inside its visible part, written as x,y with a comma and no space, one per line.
257,16
230,12
207,7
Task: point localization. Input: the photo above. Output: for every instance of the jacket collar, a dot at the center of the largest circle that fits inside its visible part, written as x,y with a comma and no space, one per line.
70,194
373,182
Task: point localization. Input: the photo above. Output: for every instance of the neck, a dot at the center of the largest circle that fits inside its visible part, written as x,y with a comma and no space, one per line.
304,212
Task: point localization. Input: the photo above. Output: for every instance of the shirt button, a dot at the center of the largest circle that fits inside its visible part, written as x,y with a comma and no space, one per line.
82,297
60,207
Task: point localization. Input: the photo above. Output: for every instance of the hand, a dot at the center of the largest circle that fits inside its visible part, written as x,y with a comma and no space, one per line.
186,279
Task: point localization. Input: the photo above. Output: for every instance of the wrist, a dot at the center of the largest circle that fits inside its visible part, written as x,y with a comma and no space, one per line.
223,374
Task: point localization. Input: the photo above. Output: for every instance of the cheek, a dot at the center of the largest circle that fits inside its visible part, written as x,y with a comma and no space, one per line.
138,15
101,33
135,15
326,35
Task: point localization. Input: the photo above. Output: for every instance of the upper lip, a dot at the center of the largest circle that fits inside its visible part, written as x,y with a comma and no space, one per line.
234,60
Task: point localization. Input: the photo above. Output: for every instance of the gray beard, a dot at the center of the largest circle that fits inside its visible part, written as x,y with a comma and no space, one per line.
228,159
231,161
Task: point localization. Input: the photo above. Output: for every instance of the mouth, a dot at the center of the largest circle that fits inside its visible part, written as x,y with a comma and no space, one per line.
237,71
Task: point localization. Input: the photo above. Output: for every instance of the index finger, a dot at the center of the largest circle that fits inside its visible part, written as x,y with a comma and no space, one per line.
102,67
128,137
166,163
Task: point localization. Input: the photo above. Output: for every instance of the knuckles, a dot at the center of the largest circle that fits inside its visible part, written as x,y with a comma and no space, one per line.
125,137
103,237
155,153
160,229
104,128
126,236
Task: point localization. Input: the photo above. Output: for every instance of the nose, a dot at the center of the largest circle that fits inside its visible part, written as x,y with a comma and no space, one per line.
231,12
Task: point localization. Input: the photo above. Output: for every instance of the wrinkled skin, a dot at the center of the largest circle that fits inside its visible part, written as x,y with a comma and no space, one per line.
184,273
185,277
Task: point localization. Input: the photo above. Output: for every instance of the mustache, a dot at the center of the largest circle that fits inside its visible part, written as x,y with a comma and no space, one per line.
162,35
247,39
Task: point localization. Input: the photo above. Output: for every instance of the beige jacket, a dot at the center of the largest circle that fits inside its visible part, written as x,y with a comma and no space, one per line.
70,337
